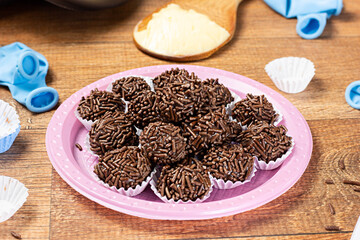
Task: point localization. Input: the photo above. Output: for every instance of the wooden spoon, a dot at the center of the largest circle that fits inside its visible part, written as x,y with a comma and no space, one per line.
222,12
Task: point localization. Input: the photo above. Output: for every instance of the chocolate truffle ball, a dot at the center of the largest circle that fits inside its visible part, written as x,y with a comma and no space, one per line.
162,143
144,109
229,163
94,106
211,129
174,75
217,95
184,182
254,108
111,132
129,87
123,168
266,142
179,101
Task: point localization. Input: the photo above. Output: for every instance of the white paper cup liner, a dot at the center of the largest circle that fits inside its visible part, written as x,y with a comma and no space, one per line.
230,106
166,200
274,164
87,123
13,195
131,191
221,184
9,126
291,74
87,145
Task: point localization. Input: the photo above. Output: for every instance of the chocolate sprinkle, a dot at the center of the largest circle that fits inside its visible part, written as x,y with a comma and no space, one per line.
123,168
94,106
266,142
111,132
332,209
350,182
144,109
229,163
332,228
16,235
130,87
254,108
341,164
78,146
356,189
162,143
184,183
329,181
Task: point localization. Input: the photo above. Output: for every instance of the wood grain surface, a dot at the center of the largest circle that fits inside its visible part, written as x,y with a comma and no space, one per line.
83,47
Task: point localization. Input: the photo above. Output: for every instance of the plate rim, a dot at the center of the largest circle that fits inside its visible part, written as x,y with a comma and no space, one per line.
154,210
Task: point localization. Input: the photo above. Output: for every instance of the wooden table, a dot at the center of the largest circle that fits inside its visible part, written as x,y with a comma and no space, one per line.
82,47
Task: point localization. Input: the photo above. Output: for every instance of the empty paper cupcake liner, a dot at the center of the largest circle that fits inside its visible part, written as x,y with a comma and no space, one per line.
13,195
291,74
131,191
274,164
221,184
166,200
9,126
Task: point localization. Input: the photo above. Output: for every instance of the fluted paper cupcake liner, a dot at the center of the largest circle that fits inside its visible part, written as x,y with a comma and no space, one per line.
9,126
131,191
230,106
86,123
221,184
262,165
166,200
291,74
13,195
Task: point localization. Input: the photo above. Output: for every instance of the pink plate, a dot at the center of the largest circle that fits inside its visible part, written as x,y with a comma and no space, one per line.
75,166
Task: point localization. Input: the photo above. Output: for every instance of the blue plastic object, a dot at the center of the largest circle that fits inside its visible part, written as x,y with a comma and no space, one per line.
7,141
352,94
311,14
23,71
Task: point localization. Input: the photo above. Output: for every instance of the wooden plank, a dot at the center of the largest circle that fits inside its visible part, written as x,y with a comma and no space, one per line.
83,47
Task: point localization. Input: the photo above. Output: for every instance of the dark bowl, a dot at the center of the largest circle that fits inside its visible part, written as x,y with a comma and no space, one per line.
86,4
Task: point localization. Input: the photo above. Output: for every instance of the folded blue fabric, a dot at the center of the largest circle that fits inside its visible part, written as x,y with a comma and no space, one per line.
311,14
23,71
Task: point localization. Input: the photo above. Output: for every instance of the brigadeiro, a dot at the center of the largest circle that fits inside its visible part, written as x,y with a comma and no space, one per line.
125,170
174,75
229,165
211,129
162,143
112,131
129,87
96,105
254,108
183,183
270,144
217,94
144,109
